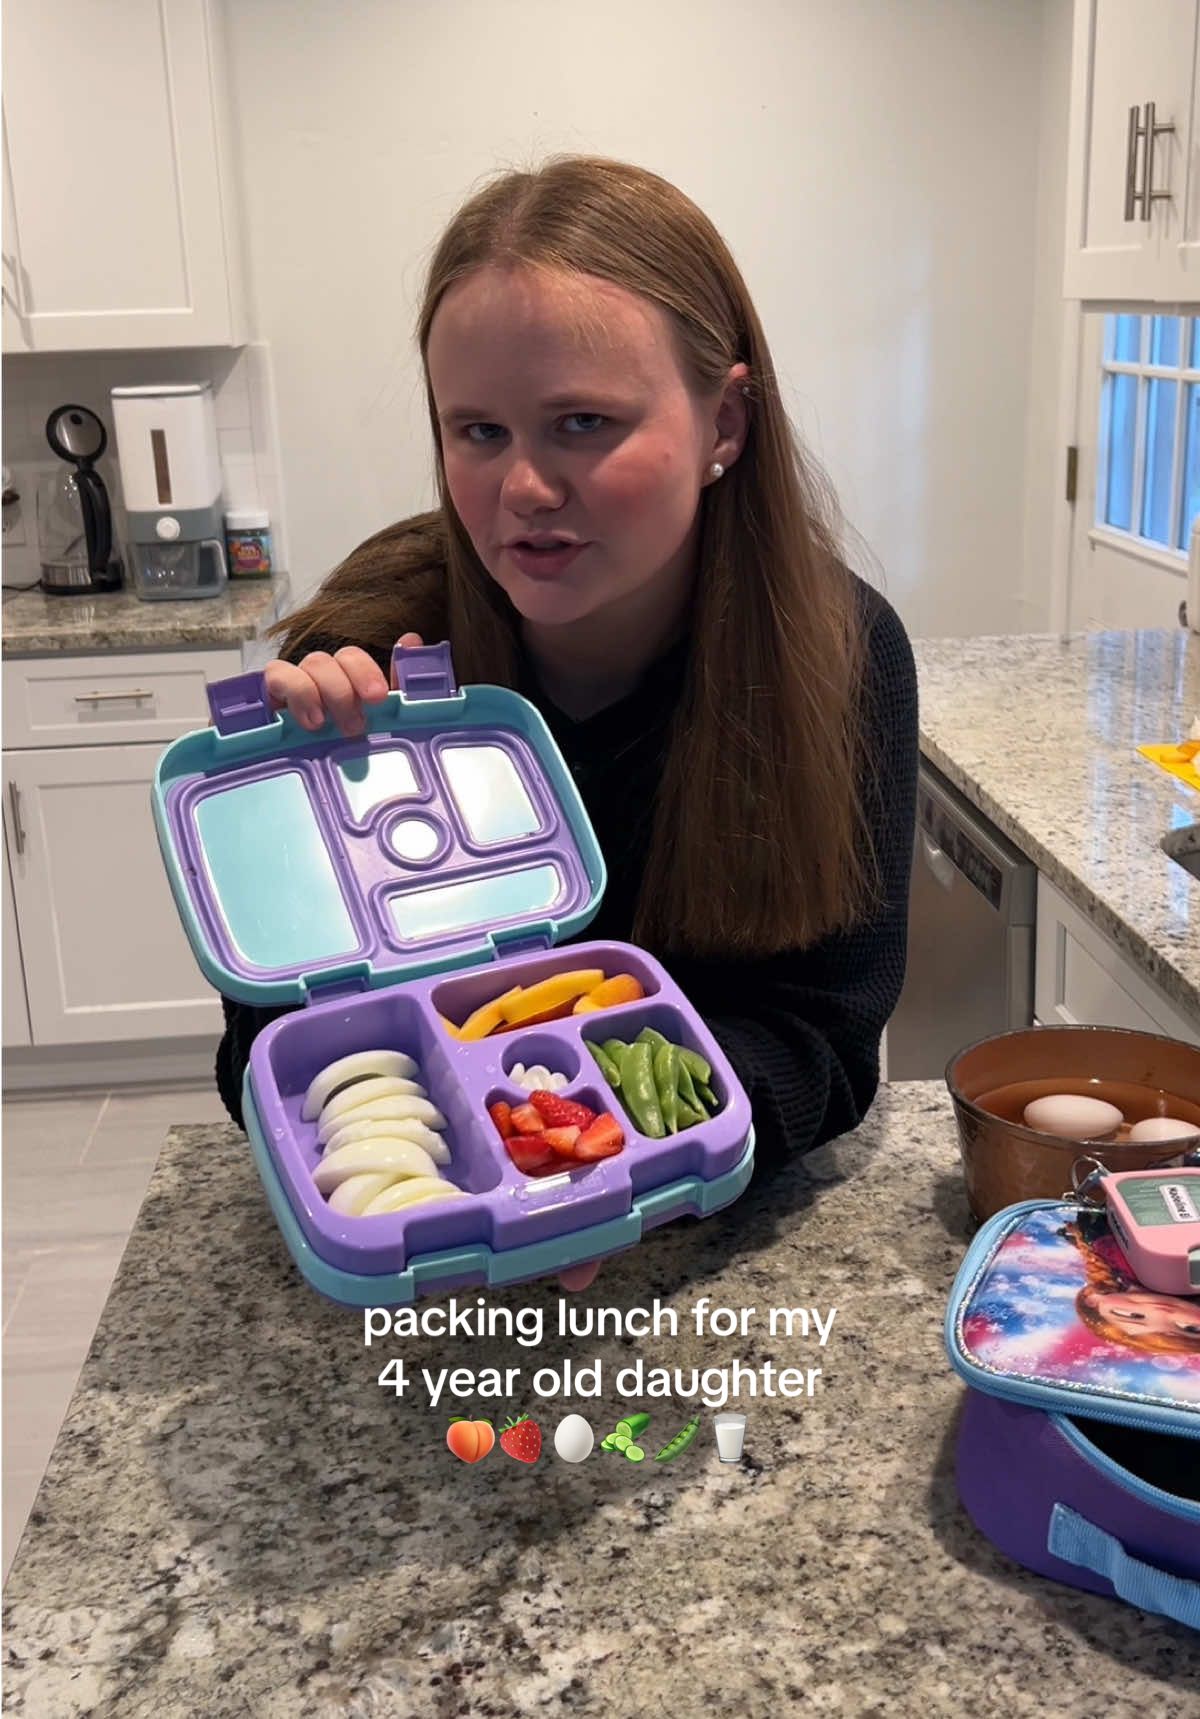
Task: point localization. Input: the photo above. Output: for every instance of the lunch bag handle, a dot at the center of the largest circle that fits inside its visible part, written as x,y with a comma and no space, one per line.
1077,1541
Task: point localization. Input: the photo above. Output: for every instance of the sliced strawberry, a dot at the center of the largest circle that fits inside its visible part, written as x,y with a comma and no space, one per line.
530,1154
501,1115
602,1140
559,1112
562,1140
527,1120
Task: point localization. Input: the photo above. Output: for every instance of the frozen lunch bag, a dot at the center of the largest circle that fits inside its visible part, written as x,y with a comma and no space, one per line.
1078,1453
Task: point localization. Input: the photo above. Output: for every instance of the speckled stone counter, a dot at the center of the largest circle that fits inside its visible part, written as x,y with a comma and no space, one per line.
237,1520
37,625
1041,733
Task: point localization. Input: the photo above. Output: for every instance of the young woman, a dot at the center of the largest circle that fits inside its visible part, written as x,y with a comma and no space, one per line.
628,535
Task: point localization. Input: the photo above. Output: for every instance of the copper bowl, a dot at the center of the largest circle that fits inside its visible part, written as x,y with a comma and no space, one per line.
1003,1161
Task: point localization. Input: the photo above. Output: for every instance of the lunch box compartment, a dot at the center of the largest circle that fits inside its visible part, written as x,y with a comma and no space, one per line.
538,1048
457,999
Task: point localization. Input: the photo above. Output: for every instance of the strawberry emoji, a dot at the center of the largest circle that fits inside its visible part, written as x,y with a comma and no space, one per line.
522,1438
470,1440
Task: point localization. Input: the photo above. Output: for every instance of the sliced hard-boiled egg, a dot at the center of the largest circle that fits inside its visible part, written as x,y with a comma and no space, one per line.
389,1128
414,1190
360,1065
363,1092
401,1157
350,1196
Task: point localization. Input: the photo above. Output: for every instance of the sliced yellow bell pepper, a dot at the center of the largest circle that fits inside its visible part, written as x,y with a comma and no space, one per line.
551,993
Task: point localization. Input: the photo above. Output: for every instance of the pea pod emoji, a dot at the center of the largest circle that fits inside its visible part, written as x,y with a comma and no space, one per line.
683,1438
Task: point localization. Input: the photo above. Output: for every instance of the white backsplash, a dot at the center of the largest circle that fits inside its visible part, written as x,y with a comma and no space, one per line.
247,433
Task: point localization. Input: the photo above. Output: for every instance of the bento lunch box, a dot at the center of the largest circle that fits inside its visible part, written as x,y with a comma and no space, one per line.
392,883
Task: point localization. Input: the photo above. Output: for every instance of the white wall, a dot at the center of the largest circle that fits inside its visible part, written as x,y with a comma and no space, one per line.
889,173
874,165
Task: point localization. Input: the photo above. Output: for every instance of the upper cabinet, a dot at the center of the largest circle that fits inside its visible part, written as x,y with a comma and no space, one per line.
1133,174
120,216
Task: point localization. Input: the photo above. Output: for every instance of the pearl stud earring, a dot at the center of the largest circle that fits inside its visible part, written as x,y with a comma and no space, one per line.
716,470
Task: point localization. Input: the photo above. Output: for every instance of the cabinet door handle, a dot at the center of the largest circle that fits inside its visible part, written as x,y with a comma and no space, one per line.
14,805
106,697
1149,194
1131,151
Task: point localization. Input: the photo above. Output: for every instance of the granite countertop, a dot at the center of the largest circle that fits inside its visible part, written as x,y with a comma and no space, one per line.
37,625
1041,733
237,1520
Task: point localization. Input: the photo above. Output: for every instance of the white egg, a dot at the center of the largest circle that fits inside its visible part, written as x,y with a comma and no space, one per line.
1162,1128
573,1439
1073,1118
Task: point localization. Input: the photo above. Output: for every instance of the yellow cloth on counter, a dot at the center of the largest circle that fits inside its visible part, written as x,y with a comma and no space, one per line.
1178,761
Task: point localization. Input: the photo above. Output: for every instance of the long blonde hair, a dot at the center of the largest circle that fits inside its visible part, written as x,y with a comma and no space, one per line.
758,839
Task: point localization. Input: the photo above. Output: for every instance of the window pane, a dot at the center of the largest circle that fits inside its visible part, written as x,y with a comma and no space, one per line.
1164,340
1121,394
1191,468
1126,334
1160,441
1196,343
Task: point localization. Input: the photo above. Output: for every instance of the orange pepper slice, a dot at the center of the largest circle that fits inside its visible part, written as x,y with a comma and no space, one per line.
521,1005
621,988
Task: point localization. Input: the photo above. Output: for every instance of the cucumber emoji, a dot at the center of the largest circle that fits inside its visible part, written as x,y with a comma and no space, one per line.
635,1453
680,1442
632,1425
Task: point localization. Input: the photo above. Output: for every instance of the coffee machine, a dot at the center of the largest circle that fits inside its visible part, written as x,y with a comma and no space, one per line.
171,477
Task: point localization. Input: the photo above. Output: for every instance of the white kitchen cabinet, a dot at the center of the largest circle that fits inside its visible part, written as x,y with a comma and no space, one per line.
1082,979
105,955
1133,185
15,1007
121,224
102,958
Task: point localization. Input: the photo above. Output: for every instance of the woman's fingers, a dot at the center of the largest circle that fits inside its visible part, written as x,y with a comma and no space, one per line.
290,688
336,686
363,673
579,1276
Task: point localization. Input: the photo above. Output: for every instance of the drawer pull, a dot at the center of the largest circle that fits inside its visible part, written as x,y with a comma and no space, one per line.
106,697
14,804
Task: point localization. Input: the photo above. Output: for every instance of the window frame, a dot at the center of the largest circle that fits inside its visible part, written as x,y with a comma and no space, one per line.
1144,371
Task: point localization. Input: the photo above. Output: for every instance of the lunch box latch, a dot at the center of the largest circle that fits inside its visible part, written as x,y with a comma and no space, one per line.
522,939
240,702
329,990
424,672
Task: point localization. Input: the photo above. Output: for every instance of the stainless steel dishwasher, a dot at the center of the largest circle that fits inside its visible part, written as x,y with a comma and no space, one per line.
972,910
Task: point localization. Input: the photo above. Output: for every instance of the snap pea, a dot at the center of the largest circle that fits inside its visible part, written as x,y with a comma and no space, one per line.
708,1095
696,1063
687,1091
616,1052
639,1093
648,1036
680,1442
666,1081
608,1068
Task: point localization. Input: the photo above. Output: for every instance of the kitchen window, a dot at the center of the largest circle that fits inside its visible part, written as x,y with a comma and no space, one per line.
1148,481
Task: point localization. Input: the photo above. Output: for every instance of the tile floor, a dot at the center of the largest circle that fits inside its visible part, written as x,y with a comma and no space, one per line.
75,1170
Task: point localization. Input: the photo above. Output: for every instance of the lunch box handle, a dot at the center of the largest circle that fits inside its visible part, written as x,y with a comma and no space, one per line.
1077,1541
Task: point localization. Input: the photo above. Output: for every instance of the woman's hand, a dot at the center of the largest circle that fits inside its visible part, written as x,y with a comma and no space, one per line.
337,686
579,1276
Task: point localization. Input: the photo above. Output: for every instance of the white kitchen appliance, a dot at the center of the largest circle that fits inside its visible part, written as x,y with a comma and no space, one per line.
171,478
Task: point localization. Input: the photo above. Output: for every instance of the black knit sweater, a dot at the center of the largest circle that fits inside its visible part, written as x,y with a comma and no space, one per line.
801,1027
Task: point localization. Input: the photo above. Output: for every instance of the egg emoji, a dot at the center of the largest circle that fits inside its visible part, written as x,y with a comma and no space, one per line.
1072,1118
573,1439
1162,1128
